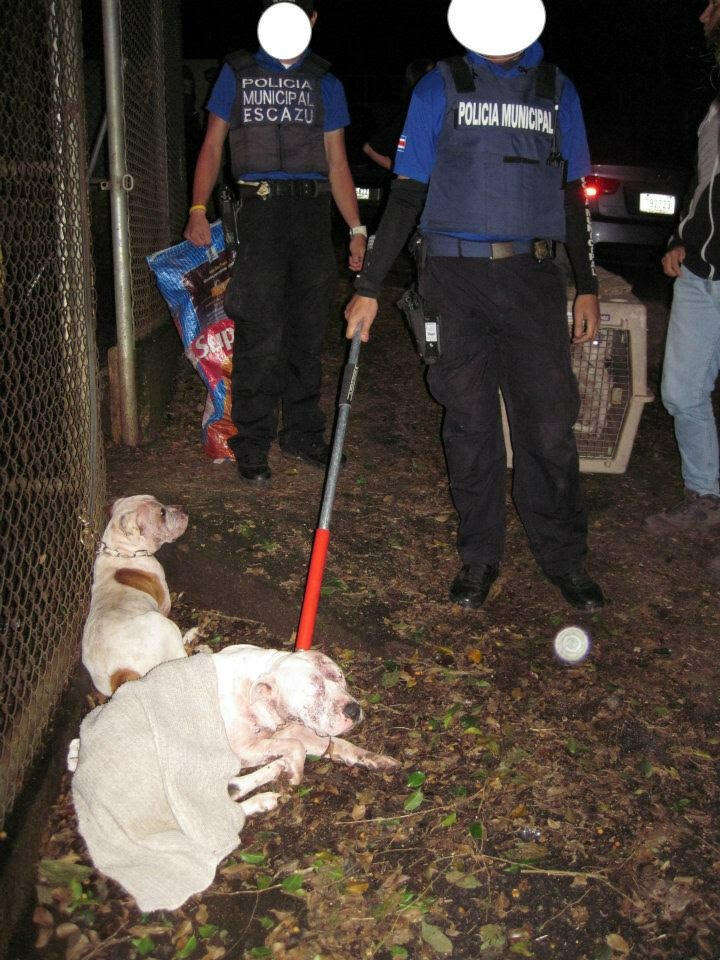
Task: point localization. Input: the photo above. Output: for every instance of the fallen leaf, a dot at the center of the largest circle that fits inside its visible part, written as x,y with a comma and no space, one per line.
356,889
77,947
467,881
492,937
616,943
150,930
434,936
63,871
414,800
188,949
42,917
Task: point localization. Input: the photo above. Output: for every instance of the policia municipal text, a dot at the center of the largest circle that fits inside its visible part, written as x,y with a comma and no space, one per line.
493,153
285,122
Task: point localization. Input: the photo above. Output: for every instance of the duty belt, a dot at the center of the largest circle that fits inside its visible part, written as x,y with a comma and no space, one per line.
297,189
439,245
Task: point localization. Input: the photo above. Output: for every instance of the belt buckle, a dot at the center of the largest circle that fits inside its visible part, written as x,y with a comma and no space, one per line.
500,251
263,191
542,249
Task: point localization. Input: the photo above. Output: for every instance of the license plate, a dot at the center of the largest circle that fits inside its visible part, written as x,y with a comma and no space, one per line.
657,203
363,193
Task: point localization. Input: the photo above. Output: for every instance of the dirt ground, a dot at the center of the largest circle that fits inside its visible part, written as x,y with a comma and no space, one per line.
541,810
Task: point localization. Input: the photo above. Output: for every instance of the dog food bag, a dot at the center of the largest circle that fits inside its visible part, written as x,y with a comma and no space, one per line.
193,281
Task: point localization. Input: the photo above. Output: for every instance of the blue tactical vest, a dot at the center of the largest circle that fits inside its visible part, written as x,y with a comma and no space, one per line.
277,119
492,176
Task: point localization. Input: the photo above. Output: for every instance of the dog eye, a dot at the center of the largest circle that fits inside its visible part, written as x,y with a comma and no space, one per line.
162,513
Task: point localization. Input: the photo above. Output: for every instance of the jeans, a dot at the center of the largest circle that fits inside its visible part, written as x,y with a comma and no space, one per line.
503,324
692,360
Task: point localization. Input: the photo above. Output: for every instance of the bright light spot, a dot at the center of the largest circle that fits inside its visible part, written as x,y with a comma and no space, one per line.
571,644
284,31
591,192
496,28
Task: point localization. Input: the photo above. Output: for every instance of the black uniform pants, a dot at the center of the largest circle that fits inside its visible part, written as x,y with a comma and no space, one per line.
279,298
503,325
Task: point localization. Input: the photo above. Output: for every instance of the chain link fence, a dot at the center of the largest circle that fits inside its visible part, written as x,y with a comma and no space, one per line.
154,139
52,473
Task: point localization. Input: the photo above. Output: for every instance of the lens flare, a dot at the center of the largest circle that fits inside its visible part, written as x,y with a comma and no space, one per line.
571,645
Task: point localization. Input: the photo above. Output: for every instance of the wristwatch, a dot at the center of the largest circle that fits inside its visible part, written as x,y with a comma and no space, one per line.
360,231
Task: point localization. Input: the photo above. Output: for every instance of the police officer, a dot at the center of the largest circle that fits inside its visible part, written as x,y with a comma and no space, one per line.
285,114
493,153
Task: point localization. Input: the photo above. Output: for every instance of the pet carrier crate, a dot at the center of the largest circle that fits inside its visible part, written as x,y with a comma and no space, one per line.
612,376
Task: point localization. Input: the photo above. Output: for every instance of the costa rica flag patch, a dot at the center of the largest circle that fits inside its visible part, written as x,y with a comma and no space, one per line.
402,142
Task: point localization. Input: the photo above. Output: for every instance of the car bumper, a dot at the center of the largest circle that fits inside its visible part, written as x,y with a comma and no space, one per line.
646,234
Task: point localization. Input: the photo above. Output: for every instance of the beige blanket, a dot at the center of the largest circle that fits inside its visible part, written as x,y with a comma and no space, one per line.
150,789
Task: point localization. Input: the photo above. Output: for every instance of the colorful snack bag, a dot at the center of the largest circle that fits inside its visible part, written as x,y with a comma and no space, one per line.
193,281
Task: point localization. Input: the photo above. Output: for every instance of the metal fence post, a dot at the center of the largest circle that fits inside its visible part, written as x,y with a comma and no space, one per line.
120,183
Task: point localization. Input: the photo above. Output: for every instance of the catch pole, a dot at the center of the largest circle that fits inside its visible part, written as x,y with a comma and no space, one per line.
321,541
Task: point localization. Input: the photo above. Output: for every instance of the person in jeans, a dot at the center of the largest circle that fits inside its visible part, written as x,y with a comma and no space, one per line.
692,352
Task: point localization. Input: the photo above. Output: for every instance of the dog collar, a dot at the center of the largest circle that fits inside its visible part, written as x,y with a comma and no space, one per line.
112,552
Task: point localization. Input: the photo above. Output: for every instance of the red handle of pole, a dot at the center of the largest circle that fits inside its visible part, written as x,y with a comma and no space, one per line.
311,599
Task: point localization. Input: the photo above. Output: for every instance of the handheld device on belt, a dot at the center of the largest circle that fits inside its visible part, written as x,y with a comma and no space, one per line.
424,325
230,216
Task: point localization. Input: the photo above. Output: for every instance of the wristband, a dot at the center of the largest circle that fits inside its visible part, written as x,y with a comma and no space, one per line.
360,231
198,206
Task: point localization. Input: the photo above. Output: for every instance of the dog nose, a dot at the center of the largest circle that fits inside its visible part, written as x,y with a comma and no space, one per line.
353,711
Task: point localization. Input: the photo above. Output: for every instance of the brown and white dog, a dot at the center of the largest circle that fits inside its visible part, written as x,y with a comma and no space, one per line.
278,707
127,631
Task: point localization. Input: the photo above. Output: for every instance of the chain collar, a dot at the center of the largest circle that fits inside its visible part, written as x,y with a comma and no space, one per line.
103,548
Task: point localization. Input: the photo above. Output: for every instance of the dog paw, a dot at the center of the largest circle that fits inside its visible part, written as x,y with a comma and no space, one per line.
202,648
260,803
378,761
294,774
73,754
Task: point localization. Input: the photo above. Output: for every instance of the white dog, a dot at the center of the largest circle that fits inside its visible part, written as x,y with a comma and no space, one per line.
127,631
277,707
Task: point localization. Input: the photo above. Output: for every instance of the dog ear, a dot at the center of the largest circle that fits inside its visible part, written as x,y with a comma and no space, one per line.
128,524
264,688
267,702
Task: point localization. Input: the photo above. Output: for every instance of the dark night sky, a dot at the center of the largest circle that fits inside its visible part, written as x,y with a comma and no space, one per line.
639,64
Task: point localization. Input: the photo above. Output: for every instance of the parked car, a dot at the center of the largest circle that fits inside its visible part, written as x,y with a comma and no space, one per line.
633,205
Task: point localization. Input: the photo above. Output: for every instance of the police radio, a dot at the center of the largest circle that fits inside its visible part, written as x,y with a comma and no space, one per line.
230,216
424,325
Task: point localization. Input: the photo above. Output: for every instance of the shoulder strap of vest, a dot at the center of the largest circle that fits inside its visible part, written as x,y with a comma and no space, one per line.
462,74
239,60
315,65
548,82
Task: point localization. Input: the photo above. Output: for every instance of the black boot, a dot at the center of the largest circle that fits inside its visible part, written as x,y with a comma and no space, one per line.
579,590
255,471
472,585
312,450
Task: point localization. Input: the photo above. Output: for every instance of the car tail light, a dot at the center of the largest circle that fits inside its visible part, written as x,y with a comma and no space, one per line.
597,186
